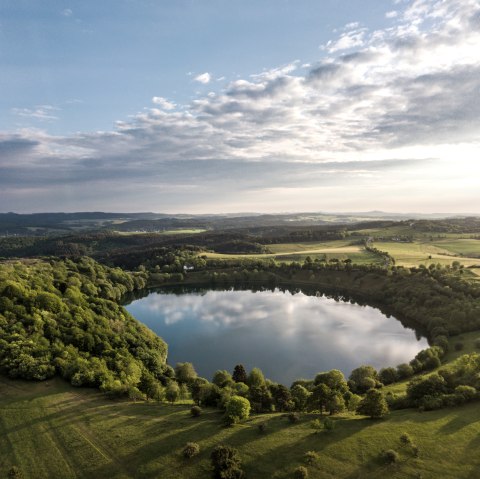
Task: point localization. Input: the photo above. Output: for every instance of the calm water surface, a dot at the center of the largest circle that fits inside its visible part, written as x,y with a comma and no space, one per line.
288,336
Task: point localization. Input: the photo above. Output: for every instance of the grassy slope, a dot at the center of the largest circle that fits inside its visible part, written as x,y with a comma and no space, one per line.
421,251
51,430
287,252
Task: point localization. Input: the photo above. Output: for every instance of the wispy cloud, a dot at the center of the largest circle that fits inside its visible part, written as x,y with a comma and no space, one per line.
40,112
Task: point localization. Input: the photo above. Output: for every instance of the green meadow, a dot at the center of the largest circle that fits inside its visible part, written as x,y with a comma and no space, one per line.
52,430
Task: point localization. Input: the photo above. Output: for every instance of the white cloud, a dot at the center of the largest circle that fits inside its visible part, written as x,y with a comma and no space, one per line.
203,78
67,12
163,103
351,39
391,14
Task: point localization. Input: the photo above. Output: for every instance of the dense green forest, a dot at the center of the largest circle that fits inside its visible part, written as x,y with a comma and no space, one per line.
63,317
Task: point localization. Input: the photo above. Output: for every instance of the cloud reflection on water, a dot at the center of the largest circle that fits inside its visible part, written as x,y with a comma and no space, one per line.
287,335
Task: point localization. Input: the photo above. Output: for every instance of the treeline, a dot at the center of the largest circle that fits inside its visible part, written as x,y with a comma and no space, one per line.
329,392
450,225
63,317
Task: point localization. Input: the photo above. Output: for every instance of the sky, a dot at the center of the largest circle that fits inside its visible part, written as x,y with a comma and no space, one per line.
215,106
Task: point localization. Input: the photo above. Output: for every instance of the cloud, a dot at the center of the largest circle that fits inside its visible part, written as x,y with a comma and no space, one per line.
67,12
163,103
40,112
385,112
203,78
351,39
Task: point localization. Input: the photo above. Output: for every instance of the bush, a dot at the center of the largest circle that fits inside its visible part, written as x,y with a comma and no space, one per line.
459,346
236,409
15,472
430,403
196,411
226,463
405,439
317,424
190,450
465,393
328,424
391,456
300,472
293,417
311,457
262,427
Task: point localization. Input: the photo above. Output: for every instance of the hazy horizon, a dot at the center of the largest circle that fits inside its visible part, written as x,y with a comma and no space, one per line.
272,106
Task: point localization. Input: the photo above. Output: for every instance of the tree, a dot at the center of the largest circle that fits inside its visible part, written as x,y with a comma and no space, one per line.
373,404
282,398
236,409
335,403
300,397
362,379
404,371
173,392
433,385
260,398
185,373
239,374
319,397
256,378
388,375
334,379
226,463
222,379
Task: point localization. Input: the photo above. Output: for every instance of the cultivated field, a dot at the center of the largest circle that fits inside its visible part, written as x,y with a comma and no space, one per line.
416,253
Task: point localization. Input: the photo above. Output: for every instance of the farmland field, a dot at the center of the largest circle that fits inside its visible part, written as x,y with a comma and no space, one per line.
416,253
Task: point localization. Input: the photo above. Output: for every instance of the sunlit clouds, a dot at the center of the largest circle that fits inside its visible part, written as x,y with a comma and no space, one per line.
385,119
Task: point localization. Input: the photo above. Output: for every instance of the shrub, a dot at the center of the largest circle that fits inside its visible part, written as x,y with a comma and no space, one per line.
262,427
293,417
317,424
311,457
190,450
391,456
459,346
430,403
236,409
405,439
300,472
328,424
226,463
196,411
465,393
15,472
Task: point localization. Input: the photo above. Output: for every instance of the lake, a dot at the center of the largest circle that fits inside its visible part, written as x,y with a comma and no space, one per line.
288,336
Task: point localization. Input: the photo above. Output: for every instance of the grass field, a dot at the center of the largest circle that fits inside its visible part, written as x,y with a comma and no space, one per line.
416,253
51,430
288,252
464,247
